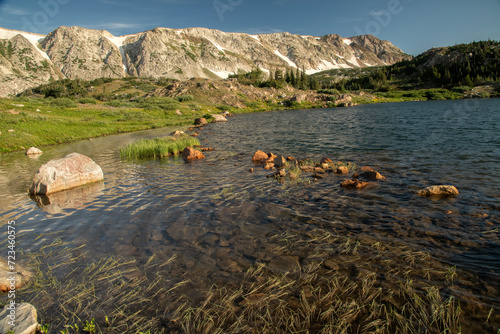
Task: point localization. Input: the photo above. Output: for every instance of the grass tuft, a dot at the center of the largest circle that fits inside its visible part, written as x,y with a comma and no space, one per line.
157,148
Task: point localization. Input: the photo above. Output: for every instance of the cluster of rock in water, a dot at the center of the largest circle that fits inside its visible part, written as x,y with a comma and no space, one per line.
361,179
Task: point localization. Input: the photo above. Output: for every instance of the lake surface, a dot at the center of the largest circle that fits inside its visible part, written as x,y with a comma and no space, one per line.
209,211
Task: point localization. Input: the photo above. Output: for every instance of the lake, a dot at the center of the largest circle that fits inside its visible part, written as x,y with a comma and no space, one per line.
209,222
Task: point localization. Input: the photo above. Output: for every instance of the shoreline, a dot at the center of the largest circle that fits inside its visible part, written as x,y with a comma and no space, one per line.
148,124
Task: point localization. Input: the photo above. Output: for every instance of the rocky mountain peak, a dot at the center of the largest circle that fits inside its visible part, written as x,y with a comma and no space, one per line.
77,52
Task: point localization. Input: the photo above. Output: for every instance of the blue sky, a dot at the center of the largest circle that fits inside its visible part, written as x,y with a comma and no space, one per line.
412,25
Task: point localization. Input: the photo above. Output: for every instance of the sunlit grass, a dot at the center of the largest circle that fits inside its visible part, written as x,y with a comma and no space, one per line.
157,147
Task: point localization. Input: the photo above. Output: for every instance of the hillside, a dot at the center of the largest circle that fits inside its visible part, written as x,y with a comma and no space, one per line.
28,60
473,69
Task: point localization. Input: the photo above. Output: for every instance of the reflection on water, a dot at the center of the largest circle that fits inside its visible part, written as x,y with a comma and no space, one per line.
220,220
76,198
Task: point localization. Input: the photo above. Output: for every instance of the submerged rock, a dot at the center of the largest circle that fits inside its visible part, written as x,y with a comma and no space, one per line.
219,118
354,184
72,171
25,319
371,175
177,133
22,276
33,151
190,153
439,191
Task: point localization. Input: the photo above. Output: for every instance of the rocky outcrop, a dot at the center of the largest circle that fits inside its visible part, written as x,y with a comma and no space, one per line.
22,64
439,191
23,316
74,52
72,171
82,53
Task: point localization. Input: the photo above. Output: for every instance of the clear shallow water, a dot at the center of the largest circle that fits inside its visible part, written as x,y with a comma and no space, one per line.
211,210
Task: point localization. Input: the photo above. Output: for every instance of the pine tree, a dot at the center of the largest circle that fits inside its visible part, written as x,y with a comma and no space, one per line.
288,78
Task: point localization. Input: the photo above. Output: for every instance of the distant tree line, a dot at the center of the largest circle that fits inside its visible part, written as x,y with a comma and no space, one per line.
472,64
278,79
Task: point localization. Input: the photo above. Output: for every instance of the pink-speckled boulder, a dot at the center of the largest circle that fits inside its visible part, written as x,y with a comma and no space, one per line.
72,171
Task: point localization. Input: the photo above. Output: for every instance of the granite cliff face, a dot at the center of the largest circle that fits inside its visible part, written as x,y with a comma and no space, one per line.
83,53
23,65
73,52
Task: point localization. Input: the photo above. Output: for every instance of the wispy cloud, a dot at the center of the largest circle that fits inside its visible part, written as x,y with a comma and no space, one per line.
11,10
116,26
348,19
257,31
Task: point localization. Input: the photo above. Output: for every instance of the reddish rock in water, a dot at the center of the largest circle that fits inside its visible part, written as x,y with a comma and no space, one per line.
366,169
354,184
325,161
269,165
279,162
372,175
190,153
206,149
342,170
260,157
271,158
72,171
200,121
307,169
439,191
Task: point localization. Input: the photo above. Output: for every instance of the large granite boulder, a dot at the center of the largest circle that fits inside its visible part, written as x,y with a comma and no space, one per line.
72,171
23,316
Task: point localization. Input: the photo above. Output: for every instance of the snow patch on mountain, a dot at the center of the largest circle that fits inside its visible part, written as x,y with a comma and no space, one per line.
288,60
34,39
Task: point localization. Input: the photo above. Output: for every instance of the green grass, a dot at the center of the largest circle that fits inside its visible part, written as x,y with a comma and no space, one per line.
41,122
157,147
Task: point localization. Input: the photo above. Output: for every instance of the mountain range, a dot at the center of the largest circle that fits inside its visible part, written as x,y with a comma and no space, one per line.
28,60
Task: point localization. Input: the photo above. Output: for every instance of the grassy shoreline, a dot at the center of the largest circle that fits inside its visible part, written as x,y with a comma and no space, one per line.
44,122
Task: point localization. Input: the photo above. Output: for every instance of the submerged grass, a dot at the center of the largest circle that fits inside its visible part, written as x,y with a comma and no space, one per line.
73,293
116,295
157,147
